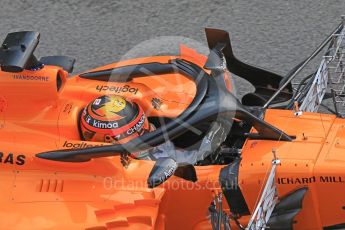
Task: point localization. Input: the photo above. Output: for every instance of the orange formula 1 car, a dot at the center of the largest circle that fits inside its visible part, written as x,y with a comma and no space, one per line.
280,164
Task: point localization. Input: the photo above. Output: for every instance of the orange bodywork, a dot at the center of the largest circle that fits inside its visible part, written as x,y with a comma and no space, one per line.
313,160
102,194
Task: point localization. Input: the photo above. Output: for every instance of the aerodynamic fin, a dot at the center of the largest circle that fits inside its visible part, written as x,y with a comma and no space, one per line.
286,210
264,81
215,59
255,75
229,180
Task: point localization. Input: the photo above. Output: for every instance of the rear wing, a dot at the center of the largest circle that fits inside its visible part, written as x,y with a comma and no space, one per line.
16,52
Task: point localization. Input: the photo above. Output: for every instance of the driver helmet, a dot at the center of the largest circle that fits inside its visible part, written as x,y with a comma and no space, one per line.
113,119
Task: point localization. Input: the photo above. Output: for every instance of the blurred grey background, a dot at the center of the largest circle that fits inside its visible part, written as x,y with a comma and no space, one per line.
275,34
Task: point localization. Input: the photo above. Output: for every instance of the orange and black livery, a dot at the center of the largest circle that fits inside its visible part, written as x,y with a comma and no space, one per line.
280,166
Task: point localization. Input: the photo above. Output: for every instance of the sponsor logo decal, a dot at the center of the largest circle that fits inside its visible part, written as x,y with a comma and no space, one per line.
68,108
170,171
156,103
100,124
11,158
104,124
309,180
78,145
167,173
137,127
97,101
30,78
117,89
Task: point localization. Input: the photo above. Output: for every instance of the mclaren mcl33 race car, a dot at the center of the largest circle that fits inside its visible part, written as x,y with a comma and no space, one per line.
274,159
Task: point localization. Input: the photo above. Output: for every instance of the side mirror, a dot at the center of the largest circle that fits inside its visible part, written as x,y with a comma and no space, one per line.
165,167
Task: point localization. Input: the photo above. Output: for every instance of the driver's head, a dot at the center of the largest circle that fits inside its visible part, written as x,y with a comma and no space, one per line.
112,118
